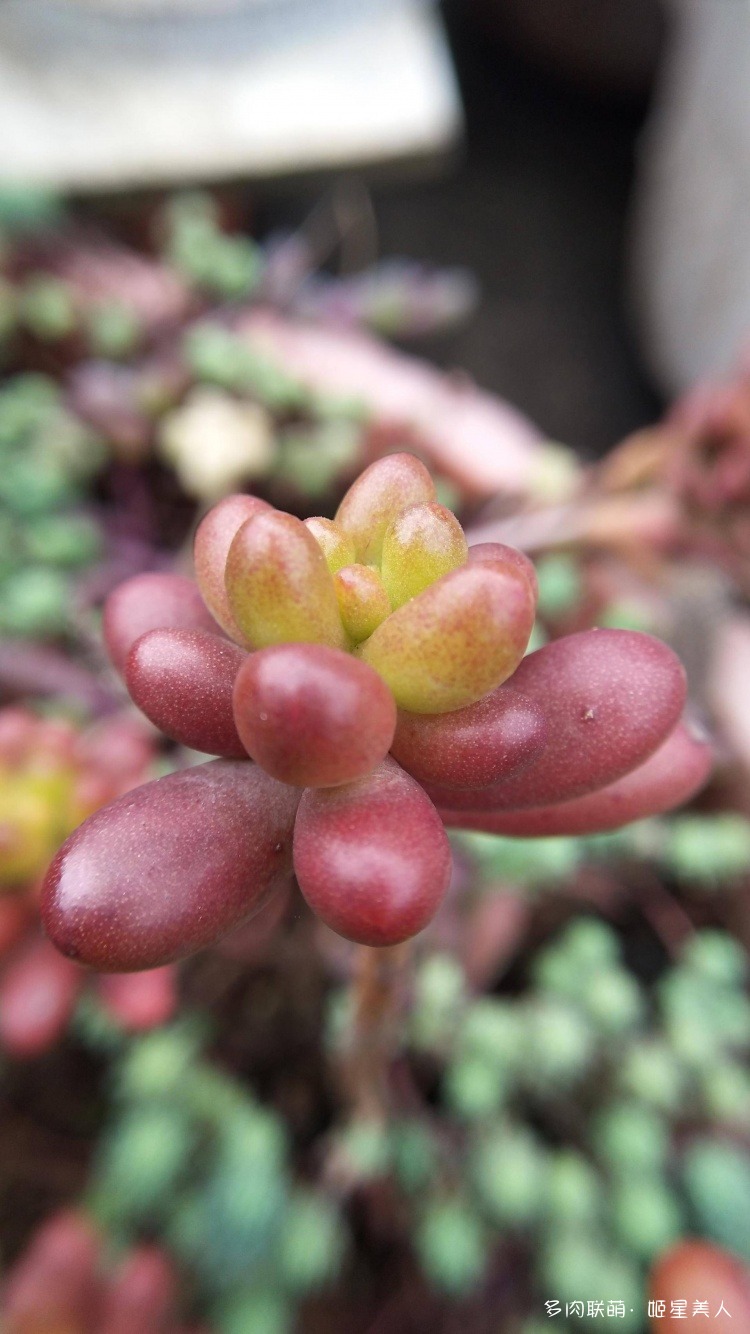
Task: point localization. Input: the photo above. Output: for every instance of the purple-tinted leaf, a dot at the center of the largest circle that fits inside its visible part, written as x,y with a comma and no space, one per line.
670,777
151,602
610,697
170,867
313,716
471,747
372,858
183,680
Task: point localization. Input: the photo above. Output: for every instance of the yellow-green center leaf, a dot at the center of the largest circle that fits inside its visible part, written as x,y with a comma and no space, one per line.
381,492
456,641
420,545
336,545
363,601
279,587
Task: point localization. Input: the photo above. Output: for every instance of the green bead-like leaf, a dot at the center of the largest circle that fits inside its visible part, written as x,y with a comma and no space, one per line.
574,1194
508,1170
646,1215
716,956
561,1043
628,1136
716,1176
452,1248
613,1001
578,1265
649,1071
255,1312
415,1155
312,1242
474,1088
493,1030
140,1163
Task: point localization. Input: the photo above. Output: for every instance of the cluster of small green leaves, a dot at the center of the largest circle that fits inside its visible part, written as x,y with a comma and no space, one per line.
233,415
220,413
47,457
45,306
41,305
191,1156
562,590
194,242
591,1116
317,438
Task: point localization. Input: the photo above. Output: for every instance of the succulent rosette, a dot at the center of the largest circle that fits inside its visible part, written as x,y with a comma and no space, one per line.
374,669
53,774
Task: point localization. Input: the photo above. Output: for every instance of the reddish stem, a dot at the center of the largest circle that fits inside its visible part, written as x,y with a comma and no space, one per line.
378,991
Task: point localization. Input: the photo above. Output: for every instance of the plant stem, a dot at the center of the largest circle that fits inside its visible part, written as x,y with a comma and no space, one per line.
378,997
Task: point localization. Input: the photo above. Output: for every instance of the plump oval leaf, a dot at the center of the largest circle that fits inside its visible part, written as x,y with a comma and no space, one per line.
151,602
363,601
170,867
471,747
279,586
182,680
381,492
610,697
311,715
372,858
213,538
336,545
668,778
456,641
420,545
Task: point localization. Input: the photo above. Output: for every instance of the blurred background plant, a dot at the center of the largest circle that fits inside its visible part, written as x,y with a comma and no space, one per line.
560,1095
48,460
53,774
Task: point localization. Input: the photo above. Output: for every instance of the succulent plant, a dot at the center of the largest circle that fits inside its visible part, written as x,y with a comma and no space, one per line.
367,681
378,632
53,773
606,1182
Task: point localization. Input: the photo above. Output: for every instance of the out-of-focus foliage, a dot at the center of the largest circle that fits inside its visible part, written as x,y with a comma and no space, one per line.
47,460
53,773
193,1156
591,1117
